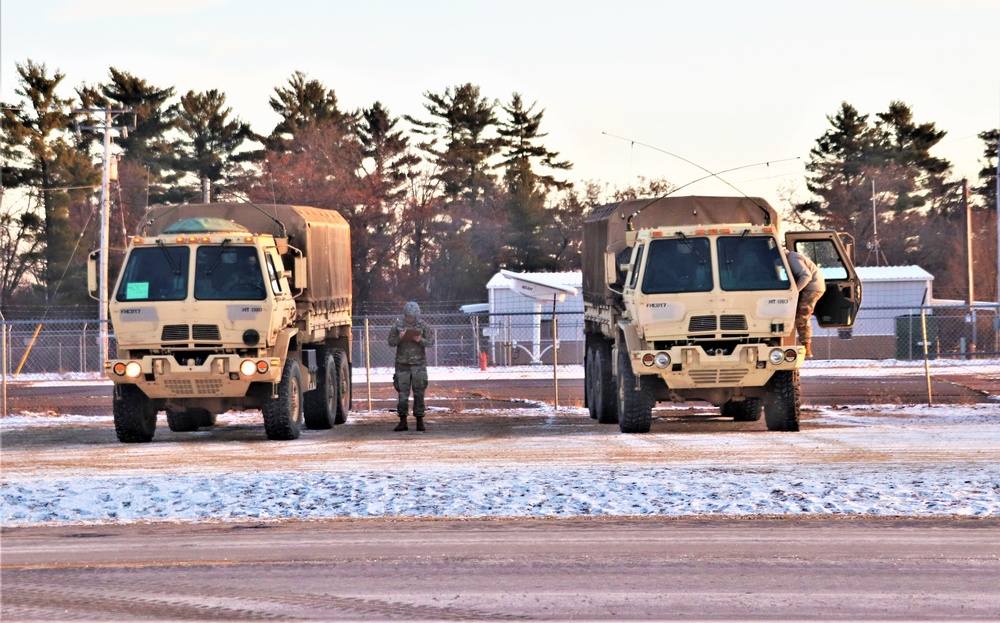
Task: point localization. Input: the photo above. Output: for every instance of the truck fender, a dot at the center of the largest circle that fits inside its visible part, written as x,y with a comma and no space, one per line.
626,331
282,342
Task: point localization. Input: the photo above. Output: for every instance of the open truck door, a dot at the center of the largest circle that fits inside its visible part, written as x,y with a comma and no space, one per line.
838,308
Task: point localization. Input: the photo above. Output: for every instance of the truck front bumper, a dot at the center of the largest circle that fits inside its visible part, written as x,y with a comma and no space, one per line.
222,375
691,367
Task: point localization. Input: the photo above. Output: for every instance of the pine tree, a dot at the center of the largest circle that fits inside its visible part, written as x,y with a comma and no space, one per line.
212,138
528,219
40,159
303,104
148,144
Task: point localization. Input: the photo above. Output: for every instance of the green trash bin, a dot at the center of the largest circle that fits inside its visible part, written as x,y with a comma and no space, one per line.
910,337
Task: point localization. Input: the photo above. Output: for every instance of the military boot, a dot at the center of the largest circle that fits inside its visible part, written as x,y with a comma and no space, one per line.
420,423
809,350
402,424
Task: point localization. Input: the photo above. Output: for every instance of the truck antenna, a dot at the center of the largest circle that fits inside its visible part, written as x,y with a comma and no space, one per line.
767,217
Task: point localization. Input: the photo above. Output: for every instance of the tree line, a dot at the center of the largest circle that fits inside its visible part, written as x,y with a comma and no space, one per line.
438,202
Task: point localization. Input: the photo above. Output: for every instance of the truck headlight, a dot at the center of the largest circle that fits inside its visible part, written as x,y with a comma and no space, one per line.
776,356
133,369
662,360
247,367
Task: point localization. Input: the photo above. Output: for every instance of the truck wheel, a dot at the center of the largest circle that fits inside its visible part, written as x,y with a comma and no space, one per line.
321,403
605,401
747,410
589,378
206,419
135,417
183,421
283,415
781,406
344,392
635,406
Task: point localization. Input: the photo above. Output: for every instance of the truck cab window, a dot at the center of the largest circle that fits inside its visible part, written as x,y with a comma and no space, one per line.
678,265
155,274
826,257
749,263
229,273
635,268
272,274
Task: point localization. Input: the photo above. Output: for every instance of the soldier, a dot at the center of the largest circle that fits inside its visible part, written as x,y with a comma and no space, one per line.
811,286
410,337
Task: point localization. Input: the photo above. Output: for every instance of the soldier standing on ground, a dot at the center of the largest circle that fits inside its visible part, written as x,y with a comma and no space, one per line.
411,337
811,286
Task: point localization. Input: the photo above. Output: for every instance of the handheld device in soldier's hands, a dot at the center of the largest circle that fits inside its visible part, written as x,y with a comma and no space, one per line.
411,335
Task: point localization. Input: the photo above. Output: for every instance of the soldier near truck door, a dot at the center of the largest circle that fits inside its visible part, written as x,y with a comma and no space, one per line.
411,337
811,287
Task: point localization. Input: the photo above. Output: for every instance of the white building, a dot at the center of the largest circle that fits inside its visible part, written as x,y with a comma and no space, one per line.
521,317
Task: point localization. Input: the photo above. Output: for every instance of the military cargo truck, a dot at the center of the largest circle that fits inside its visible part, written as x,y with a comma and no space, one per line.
690,298
232,306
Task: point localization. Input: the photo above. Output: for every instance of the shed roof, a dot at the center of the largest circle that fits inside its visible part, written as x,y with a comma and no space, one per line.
871,274
554,280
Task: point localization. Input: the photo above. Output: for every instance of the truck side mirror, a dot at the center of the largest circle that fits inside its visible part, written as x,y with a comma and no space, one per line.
300,281
92,284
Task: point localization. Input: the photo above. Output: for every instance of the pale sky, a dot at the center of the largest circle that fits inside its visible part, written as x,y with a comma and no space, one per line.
723,84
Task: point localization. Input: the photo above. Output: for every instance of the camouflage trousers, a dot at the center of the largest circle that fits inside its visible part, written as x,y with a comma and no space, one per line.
804,311
406,378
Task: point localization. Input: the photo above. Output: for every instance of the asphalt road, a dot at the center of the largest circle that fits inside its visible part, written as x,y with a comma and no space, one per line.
767,568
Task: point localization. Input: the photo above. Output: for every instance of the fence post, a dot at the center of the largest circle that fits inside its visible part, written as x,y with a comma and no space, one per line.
555,359
3,359
927,363
368,365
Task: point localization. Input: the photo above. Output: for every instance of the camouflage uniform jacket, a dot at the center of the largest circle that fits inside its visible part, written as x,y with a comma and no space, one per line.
407,352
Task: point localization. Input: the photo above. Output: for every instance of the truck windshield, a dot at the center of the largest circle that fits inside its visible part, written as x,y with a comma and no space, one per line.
155,274
751,263
678,265
227,273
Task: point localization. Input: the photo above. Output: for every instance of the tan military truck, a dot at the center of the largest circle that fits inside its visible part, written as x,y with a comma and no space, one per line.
690,298
232,306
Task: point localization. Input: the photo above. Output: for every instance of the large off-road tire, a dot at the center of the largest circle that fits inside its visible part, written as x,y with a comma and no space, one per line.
344,391
320,404
747,410
605,400
135,417
206,419
183,421
588,382
782,404
283,414
635,404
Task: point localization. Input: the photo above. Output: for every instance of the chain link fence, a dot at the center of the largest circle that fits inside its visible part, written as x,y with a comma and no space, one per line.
902,334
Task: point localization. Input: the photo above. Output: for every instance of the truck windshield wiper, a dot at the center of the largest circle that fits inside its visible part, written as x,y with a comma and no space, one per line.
170,260
218,258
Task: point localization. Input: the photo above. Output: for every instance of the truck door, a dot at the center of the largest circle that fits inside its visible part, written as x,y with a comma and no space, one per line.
839,306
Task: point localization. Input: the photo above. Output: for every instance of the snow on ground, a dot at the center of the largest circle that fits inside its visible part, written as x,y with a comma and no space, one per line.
966,487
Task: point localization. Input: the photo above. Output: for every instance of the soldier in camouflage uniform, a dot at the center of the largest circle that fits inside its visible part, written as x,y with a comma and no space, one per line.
812,286
410,337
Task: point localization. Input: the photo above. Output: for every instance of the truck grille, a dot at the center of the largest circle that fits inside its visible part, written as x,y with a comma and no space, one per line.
206,332
725,376
711,323
198,387
733,323
702,323
181,332
174,332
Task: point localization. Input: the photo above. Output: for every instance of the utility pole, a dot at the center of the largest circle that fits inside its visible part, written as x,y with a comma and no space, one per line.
968,262
109,116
